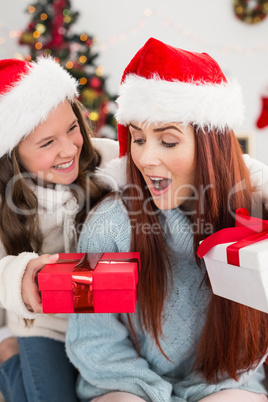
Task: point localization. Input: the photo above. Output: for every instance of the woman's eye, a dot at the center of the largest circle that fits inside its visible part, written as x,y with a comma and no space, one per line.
169,144
46,144
138,141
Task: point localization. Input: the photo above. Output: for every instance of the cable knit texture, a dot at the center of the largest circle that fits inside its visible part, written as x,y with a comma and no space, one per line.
57,209
100,346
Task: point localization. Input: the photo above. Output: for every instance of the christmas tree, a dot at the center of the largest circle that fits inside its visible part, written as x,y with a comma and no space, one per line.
49,33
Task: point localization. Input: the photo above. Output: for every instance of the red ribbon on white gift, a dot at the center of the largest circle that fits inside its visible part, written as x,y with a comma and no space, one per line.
247,230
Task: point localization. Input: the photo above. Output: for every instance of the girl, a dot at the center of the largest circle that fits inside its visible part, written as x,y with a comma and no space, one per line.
185,179
47,184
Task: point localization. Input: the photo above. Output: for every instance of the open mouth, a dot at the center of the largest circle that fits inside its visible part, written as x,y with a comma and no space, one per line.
160,183
64,165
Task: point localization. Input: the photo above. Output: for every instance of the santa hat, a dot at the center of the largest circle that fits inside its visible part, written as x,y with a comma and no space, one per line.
28,92
166,84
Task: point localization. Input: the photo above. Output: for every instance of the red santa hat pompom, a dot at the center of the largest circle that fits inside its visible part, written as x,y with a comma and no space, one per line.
167,84
28,92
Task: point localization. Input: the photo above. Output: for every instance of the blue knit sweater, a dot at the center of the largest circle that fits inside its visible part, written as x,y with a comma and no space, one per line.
100,347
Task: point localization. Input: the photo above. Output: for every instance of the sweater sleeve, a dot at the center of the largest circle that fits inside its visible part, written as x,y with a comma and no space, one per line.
99,345
11,272
259,176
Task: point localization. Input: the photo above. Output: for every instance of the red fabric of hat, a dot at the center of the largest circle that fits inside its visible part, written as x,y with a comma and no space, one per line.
11,72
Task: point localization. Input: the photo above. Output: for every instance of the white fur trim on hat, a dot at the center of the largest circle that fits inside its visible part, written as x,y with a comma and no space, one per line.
156,100
45,85
113,174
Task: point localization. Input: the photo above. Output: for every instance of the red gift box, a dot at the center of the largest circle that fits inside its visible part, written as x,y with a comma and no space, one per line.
90,283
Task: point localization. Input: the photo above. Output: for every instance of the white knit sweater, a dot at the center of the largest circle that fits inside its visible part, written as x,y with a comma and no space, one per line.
57,209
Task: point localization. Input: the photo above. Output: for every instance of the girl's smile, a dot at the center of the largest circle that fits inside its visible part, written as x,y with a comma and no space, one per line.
65,166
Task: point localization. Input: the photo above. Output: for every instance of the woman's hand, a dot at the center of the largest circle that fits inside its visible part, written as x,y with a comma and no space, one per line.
29,287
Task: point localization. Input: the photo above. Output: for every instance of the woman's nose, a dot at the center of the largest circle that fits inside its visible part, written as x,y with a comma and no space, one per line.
149,157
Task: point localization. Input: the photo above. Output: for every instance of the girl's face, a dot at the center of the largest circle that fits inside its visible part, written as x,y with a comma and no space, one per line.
165,156
52,151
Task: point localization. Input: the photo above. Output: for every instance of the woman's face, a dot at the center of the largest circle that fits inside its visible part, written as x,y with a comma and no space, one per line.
52,151
165,156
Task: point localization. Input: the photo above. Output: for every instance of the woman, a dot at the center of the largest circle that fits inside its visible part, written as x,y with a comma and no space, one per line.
185,179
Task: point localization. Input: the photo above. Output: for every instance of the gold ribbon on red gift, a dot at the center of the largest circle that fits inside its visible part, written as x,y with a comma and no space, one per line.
82,279
247,230
82,283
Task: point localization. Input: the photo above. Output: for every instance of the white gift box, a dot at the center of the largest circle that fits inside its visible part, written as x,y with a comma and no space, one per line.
246,284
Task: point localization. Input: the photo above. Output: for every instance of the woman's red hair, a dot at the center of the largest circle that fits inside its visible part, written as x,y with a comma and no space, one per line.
235,337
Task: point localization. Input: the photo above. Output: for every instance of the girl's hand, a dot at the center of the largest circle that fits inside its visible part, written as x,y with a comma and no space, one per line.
29,287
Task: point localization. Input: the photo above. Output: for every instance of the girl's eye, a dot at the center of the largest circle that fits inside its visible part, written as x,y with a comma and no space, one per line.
169,144
46,144
73,127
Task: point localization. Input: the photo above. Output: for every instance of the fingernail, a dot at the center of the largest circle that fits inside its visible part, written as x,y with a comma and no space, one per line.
53,256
